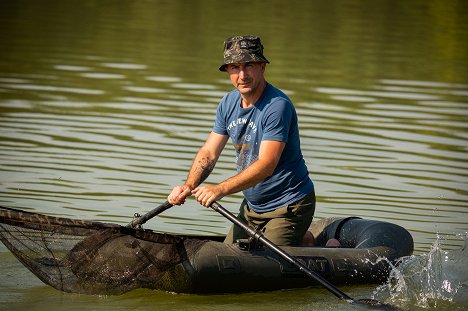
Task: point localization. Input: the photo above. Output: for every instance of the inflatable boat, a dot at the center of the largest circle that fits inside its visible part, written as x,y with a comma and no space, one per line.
101,258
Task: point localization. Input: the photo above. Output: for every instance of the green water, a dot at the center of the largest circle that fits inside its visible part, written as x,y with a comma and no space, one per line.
104,103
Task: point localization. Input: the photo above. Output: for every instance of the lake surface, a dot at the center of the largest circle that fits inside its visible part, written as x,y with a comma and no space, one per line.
103,105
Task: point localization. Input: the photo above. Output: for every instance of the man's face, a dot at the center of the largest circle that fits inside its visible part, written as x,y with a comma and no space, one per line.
246,77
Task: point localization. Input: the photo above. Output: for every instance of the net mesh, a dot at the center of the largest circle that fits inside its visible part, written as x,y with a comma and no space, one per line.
96,258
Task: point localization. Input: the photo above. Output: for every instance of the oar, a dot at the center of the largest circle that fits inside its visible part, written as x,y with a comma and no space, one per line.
370,303
139,220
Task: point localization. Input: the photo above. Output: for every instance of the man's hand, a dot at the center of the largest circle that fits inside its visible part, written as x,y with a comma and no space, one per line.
208,194
178,195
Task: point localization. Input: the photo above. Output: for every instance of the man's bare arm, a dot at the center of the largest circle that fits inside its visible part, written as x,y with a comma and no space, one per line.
268,158
202,166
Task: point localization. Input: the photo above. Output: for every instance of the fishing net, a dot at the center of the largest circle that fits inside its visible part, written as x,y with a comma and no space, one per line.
96,258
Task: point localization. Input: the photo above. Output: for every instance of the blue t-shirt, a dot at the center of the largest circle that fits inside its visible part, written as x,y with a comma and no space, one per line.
273,117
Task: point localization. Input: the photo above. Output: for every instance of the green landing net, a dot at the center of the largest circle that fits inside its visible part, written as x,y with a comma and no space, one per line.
91,257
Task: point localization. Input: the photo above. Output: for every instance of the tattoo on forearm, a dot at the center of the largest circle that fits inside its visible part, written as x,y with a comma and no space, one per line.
205,167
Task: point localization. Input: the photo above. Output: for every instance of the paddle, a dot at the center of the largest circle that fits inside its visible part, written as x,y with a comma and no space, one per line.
139,220
369,303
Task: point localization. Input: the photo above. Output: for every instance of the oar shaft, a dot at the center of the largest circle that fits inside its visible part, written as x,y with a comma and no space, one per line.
144,218
325,283
257,235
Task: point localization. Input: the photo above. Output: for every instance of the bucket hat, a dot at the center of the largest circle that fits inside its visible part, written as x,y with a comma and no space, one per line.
243,49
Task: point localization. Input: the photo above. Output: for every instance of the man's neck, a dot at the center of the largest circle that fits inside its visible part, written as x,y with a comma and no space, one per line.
250,99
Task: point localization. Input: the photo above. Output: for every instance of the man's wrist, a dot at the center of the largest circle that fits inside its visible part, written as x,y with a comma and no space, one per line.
191,187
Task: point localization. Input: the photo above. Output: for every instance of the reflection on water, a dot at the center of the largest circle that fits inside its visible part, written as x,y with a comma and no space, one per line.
102,107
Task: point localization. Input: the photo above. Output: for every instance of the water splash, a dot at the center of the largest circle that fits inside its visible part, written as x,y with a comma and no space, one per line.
437,280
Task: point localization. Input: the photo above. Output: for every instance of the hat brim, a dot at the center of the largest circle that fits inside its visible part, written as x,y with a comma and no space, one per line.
247,58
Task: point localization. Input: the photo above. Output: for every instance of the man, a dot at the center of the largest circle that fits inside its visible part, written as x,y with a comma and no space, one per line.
262,124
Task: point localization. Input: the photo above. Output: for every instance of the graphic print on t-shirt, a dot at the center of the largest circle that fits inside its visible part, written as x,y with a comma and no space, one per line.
244,153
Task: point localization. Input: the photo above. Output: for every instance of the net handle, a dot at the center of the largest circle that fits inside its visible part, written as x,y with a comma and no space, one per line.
140,220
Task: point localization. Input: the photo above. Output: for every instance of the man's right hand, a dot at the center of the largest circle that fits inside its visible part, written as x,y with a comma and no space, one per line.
178,195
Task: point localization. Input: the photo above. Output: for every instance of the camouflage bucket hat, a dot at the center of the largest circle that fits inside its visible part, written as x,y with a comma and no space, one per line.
243,49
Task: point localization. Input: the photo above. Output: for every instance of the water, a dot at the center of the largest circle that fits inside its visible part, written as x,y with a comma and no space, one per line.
434,280
103,105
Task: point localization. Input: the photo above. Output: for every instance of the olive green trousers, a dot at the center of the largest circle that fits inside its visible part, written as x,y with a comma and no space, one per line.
283,226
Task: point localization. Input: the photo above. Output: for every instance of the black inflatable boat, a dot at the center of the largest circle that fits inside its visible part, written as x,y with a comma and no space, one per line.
100,258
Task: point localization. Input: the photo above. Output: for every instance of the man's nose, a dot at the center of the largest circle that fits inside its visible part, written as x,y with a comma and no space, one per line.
242,73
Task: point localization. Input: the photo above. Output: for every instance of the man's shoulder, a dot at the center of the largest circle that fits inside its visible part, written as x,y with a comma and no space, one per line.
229,98
275,99
275,94
231,95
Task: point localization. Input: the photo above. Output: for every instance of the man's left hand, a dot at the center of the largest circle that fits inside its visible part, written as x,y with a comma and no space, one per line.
208,194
